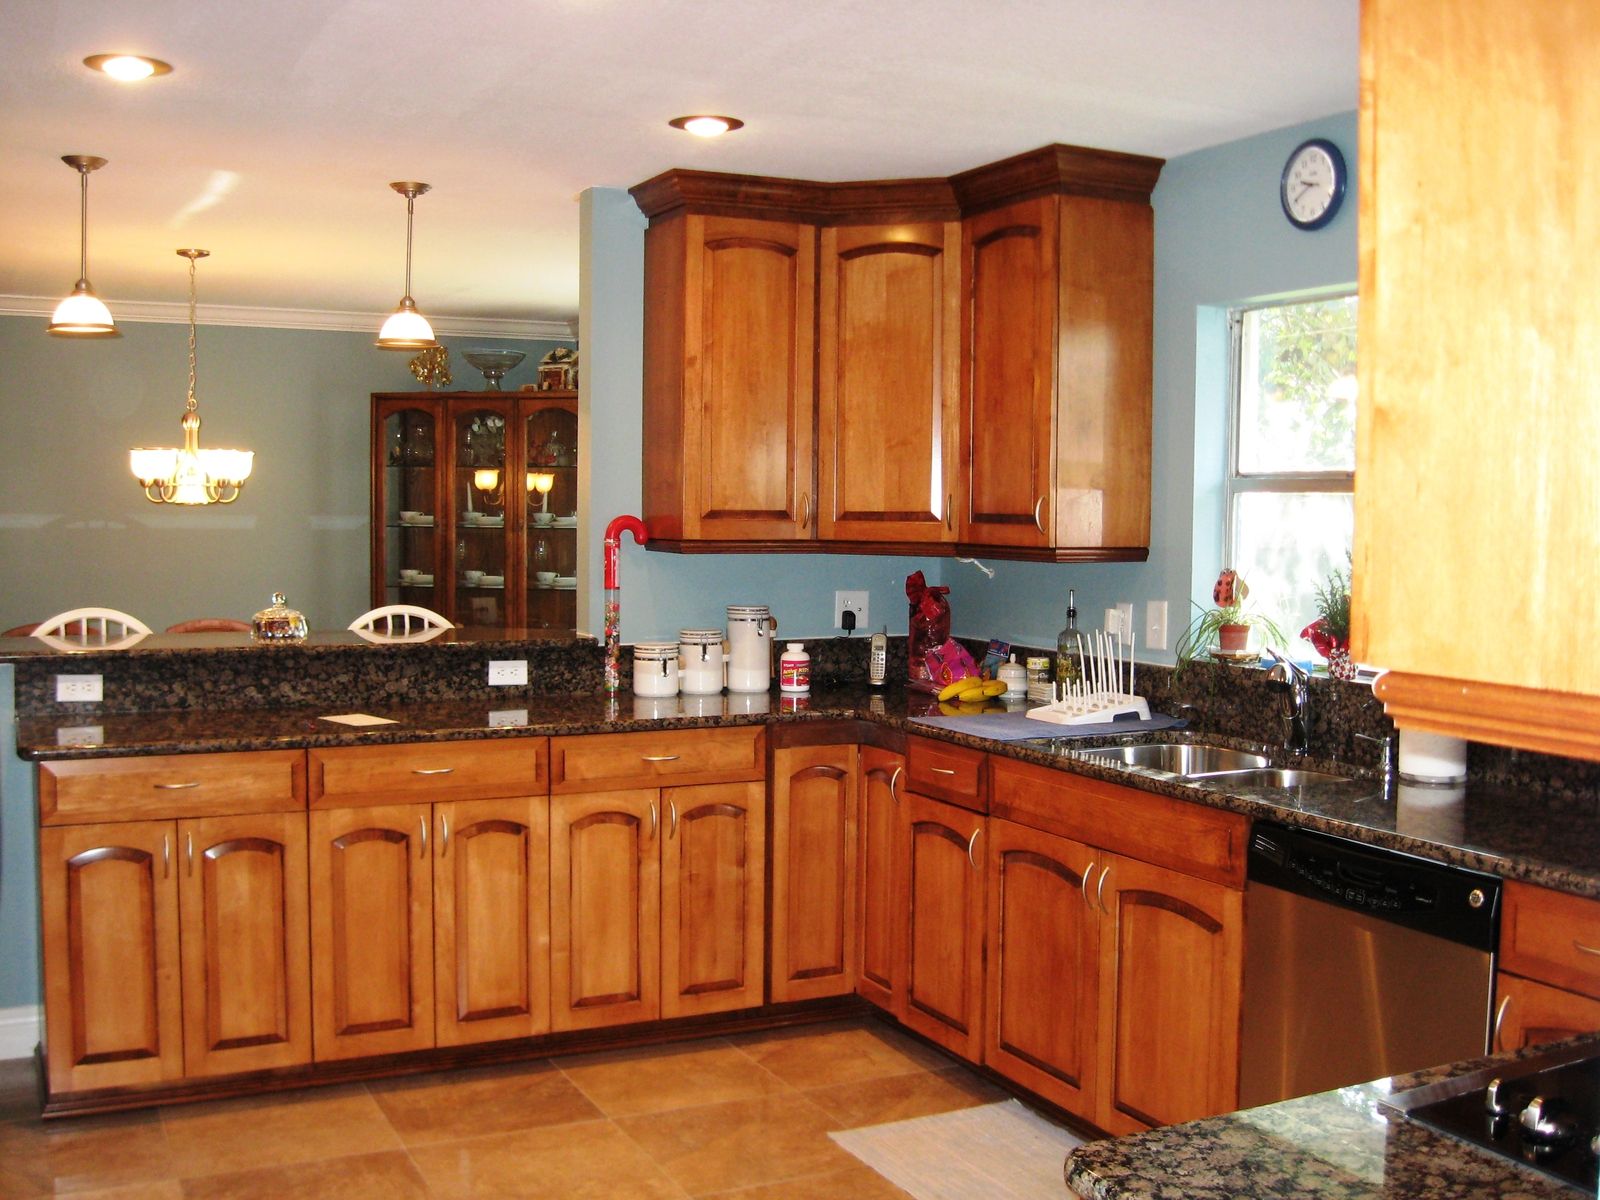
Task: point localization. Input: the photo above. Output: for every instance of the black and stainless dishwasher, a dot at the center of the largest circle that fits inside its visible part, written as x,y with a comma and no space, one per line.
1359,963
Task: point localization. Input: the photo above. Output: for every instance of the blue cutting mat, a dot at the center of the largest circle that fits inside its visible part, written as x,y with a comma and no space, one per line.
1015,726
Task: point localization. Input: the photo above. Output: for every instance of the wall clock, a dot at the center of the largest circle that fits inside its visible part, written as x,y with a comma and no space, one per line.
1313,183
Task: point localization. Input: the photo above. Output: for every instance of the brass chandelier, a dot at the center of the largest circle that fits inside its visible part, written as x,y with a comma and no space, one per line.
191,475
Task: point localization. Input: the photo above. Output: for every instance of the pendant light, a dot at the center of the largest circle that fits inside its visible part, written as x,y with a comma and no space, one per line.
191,475
406,328
82,314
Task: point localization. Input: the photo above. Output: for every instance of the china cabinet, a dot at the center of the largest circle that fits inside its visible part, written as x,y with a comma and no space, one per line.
443,535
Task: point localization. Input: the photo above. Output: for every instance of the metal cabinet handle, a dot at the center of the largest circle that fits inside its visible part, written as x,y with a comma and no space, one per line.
432,770
653,818
941,770
175,787
422,825
1579,946
971,842
672,818
894,779
659,757
950,510
444,840
1100,891
166,858
1084,885
1037,505
189,837
805,509
1499,1019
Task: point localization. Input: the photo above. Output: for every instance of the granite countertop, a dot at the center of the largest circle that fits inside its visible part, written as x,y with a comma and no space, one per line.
1483,827
1338,1145
28,649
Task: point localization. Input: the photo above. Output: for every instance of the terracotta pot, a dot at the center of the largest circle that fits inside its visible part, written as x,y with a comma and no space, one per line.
1233,639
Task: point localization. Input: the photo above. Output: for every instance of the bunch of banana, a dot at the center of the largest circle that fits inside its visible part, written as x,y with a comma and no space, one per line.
966,697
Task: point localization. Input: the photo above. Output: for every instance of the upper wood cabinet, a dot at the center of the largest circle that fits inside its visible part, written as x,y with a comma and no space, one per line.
729,407
1476,489
983,360
889,341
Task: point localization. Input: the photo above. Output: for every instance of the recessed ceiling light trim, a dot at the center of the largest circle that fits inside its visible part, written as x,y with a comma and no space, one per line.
706,125
127,68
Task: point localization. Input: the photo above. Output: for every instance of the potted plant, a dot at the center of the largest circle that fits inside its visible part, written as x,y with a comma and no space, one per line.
1228,625
1330,632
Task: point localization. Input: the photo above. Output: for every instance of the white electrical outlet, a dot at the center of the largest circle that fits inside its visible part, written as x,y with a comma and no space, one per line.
508,672
508,718
1155,625
1125,618
81,735
75,689
856,602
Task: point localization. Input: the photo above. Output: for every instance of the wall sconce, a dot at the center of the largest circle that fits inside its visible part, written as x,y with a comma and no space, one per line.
541,482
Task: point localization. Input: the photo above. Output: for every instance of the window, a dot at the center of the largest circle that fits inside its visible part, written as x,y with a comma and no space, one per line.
1291,474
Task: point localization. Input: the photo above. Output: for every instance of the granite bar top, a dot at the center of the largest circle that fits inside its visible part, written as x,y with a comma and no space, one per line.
1486,826
27,649
1338,1145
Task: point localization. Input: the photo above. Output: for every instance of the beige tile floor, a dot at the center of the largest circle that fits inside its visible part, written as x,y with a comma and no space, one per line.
742,1118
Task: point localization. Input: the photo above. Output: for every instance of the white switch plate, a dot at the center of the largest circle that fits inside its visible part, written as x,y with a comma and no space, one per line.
856,602
508,672
1125,618
1113,621
1155,625
74,689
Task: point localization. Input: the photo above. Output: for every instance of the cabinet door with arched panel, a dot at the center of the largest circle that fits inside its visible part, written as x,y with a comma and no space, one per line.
813,871
485,490
549,422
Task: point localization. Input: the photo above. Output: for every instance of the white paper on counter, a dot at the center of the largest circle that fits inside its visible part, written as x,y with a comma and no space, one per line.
359,719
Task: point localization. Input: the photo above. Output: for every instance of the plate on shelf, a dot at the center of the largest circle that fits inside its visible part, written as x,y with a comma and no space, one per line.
566,522
565,583
494,581
418,522
1237,658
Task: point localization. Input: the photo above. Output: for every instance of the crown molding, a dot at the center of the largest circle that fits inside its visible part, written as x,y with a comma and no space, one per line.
167,313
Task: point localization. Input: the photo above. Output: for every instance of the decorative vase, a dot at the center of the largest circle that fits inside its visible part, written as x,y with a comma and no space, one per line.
1340,664
1233,639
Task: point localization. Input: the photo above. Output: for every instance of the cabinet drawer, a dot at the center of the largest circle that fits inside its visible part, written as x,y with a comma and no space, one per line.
171,785
601,761
360,775
1551,936
1204,842
946,772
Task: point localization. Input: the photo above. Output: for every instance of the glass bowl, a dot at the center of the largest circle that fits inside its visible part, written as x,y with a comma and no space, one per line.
494,364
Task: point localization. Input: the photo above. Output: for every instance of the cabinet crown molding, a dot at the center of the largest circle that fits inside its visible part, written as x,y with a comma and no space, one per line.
1068,170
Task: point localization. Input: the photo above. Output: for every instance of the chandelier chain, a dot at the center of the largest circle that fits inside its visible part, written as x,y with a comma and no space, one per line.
191,406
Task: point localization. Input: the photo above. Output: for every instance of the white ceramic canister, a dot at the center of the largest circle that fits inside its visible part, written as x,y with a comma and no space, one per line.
655,669
745,704
750,630
699,661
690,705
794,669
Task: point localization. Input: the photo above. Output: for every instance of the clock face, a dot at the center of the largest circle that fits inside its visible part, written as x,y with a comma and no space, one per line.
1313,184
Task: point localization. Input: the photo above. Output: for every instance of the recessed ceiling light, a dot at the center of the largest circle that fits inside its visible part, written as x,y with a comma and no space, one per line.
706,126
128,68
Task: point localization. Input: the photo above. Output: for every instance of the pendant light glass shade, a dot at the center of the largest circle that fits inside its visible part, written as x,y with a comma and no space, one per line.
406,328
188,474
82,314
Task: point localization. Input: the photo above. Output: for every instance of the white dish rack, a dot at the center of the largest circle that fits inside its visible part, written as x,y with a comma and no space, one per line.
1096,696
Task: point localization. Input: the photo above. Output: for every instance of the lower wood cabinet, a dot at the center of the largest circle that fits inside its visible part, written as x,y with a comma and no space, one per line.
944,938
814,849
882,911
1528,1013
658,900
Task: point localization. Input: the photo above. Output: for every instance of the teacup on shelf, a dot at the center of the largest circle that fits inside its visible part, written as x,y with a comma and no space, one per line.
472,578
544,519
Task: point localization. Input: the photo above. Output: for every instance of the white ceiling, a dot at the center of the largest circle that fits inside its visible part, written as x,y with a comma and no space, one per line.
274,139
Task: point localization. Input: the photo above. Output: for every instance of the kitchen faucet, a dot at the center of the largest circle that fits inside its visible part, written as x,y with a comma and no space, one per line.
1293,685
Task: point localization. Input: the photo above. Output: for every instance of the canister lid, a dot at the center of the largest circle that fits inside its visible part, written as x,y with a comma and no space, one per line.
747,612
655,651
699,637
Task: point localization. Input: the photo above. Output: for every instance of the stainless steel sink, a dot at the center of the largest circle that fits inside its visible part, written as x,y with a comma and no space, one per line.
1272,777
1177,758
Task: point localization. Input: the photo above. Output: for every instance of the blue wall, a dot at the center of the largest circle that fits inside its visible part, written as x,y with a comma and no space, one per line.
1221,239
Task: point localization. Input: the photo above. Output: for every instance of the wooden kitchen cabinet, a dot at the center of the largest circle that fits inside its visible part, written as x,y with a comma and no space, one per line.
1055,420
813,919
491,919
465,463
1529,1013
944,938
729,403
1041,1017
1171,966
882,907
1449,512
605,898
112,989
371,930
889,340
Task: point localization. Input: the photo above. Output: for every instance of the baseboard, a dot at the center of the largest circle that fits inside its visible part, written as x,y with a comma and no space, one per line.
19,1031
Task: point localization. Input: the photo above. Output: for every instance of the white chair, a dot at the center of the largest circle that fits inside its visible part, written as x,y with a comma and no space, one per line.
91,629
399,623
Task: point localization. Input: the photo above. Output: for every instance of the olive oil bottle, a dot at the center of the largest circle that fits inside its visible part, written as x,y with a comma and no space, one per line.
1069,645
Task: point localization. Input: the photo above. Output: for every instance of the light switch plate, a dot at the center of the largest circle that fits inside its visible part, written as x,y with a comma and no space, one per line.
508,672
1155,625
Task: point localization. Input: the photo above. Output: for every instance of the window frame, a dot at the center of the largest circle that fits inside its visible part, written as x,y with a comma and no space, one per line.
1235,483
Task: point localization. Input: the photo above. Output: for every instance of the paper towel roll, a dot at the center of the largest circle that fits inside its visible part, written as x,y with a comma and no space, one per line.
1434,812
1432,756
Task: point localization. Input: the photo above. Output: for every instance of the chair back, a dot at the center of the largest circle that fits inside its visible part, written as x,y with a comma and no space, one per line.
400,623
210,625
92,627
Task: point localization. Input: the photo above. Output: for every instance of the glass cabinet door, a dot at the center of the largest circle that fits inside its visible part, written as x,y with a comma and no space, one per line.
409,524
550,440
479,486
